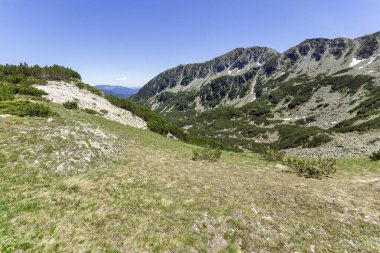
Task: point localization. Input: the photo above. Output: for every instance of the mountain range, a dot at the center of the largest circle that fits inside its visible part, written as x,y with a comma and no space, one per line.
85,172
321,85
118,91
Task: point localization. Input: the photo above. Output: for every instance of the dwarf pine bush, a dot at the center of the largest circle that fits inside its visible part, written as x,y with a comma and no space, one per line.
24,108
90,111
314,168
207,154
72,105
270,154
375,156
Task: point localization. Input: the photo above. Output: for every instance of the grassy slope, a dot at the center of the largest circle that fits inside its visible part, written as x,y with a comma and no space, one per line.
154,198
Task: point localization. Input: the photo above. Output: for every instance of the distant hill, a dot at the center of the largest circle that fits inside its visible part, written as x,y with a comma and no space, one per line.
118,91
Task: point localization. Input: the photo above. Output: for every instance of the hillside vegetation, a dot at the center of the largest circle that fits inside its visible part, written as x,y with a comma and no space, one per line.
19,97
261,123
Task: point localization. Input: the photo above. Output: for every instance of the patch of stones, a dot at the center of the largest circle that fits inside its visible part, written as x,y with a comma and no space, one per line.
63,148
343,145
84,146
326,107
61,92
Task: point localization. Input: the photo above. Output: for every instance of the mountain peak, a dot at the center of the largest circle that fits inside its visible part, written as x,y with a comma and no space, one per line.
230,79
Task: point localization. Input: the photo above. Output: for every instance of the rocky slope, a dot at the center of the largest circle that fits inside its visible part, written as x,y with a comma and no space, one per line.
322,83
61,92
241,63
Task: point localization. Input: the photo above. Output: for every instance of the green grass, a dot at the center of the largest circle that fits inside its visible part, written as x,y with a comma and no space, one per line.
151,197
360,165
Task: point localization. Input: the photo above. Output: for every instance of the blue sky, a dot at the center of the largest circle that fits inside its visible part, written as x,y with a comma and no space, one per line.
129,42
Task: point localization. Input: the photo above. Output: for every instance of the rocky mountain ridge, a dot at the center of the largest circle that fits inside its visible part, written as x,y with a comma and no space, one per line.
321,85
236,72
192,77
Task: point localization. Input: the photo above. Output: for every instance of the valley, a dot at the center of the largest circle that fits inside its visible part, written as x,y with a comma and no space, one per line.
254,151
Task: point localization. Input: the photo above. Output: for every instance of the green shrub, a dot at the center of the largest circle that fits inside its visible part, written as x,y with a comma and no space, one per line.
225,113
346,83
207,154
24,108
157,127
72,105
24,74
367,46
342,71
298,101
293,136
370,104
82,85
103,111
28,90
344,127
3,160
270,154
8,91
90,111
299,93
257,108
156,123
375,156
314,168
33,80
318,140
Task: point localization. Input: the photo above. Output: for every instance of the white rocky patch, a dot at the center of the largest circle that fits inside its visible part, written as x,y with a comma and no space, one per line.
355,62
198,105
170,109
295,118
155,105
370,61
61,92
5,115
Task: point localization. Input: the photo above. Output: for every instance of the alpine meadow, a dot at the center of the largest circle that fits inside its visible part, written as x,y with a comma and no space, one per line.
273,147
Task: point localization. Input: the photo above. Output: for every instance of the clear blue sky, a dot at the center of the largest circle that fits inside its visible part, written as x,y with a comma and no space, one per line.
129,42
